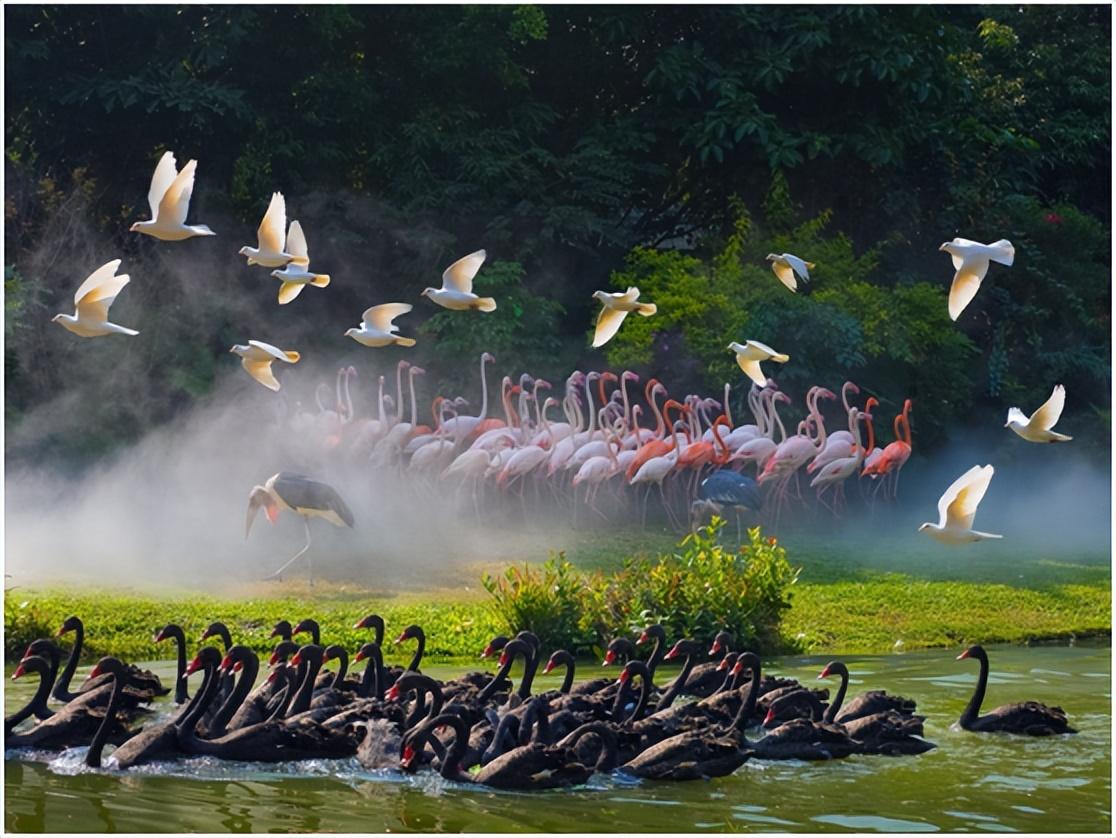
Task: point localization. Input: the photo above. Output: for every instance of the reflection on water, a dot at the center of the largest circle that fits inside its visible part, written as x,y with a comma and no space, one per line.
971,782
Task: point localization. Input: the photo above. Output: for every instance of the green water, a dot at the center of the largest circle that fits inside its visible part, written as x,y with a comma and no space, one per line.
970,782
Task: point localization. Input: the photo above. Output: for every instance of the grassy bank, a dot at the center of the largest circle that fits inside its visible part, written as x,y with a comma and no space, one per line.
865,615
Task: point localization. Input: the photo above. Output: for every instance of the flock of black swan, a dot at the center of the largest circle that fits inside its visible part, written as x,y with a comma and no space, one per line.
479,728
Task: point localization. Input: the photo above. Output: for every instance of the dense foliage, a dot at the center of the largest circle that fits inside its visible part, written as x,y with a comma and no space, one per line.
672,144
700,589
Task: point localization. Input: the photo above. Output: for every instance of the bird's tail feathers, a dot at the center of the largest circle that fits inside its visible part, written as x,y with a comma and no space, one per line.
320,280
288,291
485,304
647,309
1005,252
401,341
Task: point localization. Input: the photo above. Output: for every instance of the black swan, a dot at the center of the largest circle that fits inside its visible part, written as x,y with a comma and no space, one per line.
708,752
865,704
413,632
1030,718
74,723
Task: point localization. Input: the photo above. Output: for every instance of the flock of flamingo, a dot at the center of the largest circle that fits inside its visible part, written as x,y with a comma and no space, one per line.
605,440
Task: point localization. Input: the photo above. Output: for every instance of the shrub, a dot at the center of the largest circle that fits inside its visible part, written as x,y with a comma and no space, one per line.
544,600
694,592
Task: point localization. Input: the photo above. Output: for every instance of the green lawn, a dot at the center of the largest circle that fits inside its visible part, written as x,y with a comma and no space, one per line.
849,598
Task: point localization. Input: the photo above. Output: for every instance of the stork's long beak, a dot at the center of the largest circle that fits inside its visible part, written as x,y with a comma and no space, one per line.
258,498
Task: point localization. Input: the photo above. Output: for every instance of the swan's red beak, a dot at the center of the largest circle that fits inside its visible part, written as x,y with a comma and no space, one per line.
95,671
642,638
488,650
723,665
824,673
963,655
715,649
274,633
609,658
393,693
503,658
274,659
61,631
549,666
769,718
238,666
402,637
296,660
272,676
361,624
408,757
737,668
325,657
358,657
160,637
194,666
20,671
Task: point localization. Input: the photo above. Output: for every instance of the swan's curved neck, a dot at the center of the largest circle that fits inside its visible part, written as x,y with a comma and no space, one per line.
972,712
62,687
835,705
93,757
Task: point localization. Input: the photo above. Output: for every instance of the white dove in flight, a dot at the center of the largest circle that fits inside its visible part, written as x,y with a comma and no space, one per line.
297,274
616,308
376,328
1039,427
271,236
970,261
169,199
957,508
257,356
750,353
456,292
786,265
92,301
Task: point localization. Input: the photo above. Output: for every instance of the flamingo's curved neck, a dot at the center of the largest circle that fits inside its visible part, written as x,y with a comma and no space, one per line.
484,390
660,424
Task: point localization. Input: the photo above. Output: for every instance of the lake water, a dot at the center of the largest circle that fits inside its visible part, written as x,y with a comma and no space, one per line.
970,782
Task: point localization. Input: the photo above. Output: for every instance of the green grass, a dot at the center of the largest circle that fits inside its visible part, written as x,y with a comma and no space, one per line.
851,597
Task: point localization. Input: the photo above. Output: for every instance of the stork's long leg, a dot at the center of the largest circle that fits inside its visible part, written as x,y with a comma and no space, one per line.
297,556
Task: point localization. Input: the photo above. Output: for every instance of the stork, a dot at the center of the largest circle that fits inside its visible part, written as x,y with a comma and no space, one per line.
297,493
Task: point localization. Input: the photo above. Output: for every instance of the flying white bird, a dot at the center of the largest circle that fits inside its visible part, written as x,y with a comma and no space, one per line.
750,353
970,261
257,357
376,328
616,308
957,508
786,265
1039,428
271,236
92,301
297,274
169,199
456,292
